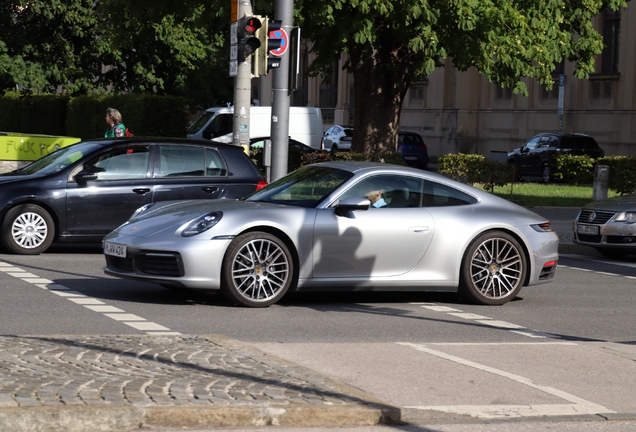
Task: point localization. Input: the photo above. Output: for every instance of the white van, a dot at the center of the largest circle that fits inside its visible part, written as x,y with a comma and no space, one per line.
217,124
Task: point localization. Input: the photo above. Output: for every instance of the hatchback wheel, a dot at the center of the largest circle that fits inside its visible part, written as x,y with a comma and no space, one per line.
334,148
493,269
28,230
257,270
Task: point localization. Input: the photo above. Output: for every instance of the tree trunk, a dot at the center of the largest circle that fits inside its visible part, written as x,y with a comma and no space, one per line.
381,79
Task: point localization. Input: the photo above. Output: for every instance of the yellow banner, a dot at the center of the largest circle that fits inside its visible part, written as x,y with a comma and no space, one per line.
24,147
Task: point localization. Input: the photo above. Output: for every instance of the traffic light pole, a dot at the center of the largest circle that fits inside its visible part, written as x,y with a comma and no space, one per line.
243,91
284,11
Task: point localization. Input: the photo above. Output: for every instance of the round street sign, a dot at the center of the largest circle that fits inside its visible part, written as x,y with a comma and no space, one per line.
284,41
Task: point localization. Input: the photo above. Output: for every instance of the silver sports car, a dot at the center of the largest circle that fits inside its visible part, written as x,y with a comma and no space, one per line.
340,226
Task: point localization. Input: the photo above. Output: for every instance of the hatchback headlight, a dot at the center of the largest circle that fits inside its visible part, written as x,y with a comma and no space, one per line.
201,224
629,217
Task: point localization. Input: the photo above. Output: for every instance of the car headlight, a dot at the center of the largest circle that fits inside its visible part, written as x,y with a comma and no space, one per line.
142,209
629,217
201,224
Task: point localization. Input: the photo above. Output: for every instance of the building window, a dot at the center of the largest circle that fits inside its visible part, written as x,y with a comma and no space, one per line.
601,88
417,93
502,93
552,94
329,91
611,33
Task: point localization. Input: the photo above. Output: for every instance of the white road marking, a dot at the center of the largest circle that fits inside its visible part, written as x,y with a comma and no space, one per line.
90,303
441,308
500,324
577,405
467,315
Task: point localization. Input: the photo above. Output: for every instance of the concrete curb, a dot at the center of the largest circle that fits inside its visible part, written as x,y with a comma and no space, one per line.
116,418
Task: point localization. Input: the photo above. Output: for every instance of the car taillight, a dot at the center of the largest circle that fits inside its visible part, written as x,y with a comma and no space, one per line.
261,184
550,264
423,146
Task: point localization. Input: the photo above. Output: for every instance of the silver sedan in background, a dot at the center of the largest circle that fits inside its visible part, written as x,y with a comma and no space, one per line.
340,226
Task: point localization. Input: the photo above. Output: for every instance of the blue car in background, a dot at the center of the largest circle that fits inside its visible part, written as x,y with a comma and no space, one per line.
413,149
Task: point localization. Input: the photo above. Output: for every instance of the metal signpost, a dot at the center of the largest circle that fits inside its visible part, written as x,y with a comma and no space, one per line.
561,96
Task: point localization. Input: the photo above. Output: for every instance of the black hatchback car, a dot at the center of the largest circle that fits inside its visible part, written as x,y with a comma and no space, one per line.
82,192
537,157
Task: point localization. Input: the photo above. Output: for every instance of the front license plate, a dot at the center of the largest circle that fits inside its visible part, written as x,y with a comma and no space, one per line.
410,157
115,250
587,229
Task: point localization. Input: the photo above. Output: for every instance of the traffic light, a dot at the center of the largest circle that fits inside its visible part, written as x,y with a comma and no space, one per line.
264,60
248,29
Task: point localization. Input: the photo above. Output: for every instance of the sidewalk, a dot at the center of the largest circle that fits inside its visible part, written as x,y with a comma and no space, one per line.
124,383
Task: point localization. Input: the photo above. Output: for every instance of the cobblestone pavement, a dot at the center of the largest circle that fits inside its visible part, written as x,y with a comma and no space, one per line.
103,383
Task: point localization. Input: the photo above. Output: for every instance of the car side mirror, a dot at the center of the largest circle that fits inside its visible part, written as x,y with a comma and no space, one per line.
347,205
85,175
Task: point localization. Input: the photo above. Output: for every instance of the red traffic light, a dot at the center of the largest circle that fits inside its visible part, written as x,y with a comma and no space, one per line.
252,24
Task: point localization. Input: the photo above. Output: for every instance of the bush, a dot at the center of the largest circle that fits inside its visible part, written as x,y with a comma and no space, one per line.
574,169
473,169
622,173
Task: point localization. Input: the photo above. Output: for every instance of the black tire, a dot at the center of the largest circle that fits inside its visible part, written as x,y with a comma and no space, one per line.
334,148
258,269
493,270
28,230
546,173
613,253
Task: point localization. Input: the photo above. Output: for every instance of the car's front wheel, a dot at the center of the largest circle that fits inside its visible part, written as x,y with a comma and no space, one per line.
493,269
28,230
258,270
334,148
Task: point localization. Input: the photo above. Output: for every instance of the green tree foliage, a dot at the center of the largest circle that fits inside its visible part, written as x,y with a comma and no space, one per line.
168,47
48,44
393,42
97,46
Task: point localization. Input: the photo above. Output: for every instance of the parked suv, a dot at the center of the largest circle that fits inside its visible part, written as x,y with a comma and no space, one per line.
337,138
537,157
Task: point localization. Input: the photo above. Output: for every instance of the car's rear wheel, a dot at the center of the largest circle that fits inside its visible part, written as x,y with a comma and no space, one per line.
257,270
546,173
493,269
28,230
334,148
613,253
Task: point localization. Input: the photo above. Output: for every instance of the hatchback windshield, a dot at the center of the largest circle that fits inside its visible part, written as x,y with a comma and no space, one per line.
305,187
58,160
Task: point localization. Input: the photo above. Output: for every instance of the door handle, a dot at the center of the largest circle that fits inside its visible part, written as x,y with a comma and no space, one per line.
141,191
209,189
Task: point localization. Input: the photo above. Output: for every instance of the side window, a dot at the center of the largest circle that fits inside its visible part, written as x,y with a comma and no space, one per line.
214,164
391,191
190,161
122,163
532,144
439,195
220,125
181,161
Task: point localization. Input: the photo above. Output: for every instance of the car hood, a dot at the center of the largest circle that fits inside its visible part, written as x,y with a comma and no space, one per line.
621,203
11,177
170,215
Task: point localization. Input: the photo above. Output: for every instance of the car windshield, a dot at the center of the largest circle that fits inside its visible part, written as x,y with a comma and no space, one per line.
200,122
59,159
305,187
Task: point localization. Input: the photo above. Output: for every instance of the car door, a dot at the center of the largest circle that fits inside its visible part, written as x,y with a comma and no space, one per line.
379,242
528,156
123,184
189,172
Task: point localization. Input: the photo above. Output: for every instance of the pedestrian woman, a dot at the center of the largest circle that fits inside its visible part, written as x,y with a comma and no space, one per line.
115,127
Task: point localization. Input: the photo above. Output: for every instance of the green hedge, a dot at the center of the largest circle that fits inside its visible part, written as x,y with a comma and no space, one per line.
84,116
622,173
36,114
143,115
